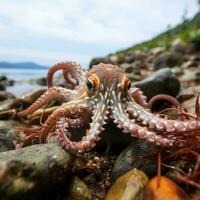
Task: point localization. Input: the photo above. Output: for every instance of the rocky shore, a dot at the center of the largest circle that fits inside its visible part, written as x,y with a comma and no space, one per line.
126,169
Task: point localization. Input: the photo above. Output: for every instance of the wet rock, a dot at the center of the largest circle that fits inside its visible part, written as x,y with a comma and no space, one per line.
194,47
167,190
130,186
134,56
167,59
3,78
35,172
117,59
42,81
10,107
134,77
177,71
114,59
79,190
10,104
4,95
189,93
157,50
8,134
2,87
188,76
4,82
188,64
96,61
178,46
161,82
30,97
141,156
128,68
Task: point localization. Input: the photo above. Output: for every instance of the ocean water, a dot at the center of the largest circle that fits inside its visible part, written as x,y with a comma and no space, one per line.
21,76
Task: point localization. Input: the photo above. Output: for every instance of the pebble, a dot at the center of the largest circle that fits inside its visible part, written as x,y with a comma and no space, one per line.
130,186
137,155
167,190
79,190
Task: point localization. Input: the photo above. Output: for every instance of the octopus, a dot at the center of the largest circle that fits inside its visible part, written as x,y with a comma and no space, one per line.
96,96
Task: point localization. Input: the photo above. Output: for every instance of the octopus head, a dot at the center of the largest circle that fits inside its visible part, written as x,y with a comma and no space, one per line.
107,83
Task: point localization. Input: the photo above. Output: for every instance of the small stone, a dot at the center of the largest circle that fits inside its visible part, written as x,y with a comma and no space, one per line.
41,81
141,156
114,59
4,95
166,189
168,59
129,186
79,190
194,47
96,61
8,134
161,82
177,71
188,64
178,46
157,50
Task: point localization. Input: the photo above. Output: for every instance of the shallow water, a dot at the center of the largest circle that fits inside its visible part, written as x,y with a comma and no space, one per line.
23,74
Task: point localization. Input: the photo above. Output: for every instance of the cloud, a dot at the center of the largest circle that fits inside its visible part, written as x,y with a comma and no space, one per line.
89,23
45,57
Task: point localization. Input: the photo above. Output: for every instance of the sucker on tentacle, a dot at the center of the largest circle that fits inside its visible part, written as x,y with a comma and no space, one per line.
105,92
139,97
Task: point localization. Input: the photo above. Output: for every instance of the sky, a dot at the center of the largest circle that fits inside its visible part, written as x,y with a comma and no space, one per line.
49,31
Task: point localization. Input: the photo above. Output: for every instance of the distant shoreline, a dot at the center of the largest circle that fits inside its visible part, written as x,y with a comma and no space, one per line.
28,68
22,65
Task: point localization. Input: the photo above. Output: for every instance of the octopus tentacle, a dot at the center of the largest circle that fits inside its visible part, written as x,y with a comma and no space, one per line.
157,123
79,120
70,79
166,97
62,112
128,125
31,134
78,75
138,96
48,96
92,135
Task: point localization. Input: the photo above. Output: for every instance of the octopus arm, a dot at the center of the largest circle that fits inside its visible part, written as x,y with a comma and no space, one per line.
159,124
92,135
51,94
72,73
138,96
128,125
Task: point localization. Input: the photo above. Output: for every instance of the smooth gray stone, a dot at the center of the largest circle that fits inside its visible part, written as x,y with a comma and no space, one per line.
162,81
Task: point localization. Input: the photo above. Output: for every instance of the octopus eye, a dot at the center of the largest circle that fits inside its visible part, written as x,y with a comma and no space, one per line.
89,85
126,84
92,85
129,86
